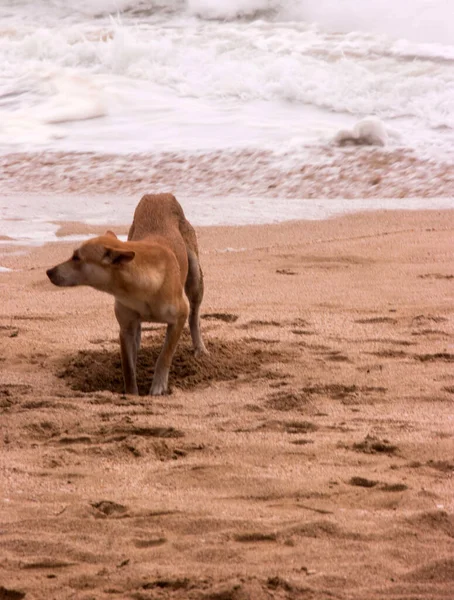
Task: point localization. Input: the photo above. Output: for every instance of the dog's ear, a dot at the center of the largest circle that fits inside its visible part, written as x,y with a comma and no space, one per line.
110,233
117,257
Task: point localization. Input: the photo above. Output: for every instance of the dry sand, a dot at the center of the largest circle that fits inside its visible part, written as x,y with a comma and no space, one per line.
310,456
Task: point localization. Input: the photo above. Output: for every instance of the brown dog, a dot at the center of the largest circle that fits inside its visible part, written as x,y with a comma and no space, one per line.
152,276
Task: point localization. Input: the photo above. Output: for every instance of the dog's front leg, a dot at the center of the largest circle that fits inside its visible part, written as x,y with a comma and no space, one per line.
159,385
130,334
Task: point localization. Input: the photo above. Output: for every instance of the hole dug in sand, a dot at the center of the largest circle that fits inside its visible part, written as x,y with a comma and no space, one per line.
95,370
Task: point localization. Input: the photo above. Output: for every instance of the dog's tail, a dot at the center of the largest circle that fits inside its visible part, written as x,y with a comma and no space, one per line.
194,280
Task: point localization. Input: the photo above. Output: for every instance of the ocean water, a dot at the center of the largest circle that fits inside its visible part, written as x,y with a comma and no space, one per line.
123,76
148,75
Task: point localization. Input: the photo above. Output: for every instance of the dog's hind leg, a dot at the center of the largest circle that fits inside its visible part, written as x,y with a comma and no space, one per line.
130,335
159,385
194,292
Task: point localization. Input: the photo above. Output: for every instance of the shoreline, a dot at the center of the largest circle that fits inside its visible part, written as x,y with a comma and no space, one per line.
38,224
72,233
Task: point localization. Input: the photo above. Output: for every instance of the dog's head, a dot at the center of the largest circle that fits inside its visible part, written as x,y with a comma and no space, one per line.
96,263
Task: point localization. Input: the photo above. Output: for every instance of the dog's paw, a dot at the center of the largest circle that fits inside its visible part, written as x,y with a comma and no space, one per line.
200,351
159,388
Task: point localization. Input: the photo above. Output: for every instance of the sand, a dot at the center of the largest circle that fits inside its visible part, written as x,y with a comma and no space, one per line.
310,456
325,172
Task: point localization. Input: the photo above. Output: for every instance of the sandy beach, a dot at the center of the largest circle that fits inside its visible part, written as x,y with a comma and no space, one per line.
309,456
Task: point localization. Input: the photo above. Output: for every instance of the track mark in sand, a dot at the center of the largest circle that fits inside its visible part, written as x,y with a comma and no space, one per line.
9,331
335,356
316,348
298,427
438,356
43,430
150,542
287,400
257,340
303,332
373,445
260,323
255,408
363,482
440,571
9,390
126,441
377,320
389,353
430,521
279,384
252,537
167,584
10,396
424,320
371,483
100,369
74,439
435,276
286,272
107,508
348,394
10,594
99,341
300,322
226,317
445,466
40,404
321,529
391,342
276,582
428,331
36,317
161,450
290,427
393,487
158,432
48,563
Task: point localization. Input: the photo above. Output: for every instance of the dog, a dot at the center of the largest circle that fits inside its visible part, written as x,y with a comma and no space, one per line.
155,276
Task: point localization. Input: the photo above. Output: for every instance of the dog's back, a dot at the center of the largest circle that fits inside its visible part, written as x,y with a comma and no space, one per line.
159,217
162,215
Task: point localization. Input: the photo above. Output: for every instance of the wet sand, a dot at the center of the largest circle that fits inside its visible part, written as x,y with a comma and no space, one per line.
309,456
324,172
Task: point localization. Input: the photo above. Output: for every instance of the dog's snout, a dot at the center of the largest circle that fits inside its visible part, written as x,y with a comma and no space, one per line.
55,276
51,274
63,276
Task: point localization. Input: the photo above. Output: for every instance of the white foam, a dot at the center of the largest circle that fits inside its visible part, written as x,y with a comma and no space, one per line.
151,83
155,77
231,9
416,20
77,98
367,132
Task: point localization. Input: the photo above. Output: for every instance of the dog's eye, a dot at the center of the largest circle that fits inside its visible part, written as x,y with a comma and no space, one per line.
76,257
